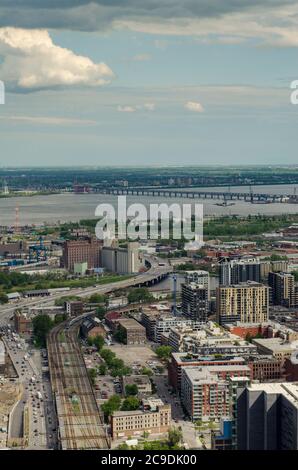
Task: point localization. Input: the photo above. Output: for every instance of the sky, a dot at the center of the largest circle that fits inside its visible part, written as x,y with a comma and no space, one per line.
161,82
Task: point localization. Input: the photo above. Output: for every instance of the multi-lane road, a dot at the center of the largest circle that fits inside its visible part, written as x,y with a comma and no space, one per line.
154,274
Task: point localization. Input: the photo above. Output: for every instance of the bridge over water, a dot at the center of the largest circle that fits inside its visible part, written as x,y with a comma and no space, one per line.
202,194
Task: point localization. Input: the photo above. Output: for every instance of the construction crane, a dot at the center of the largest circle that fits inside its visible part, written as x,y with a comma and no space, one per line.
174,308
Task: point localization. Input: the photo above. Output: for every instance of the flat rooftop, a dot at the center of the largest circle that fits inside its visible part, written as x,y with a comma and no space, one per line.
130,323
275,344
209,373
288,390
185,357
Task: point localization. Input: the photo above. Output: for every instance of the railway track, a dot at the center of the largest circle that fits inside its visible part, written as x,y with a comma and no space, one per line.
80,422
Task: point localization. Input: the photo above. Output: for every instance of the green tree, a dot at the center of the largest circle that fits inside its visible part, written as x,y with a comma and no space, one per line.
111,405
60,302
92,375
120,335
102,369
130,404
99,342
146,371
3,298
100,312
59,318
121,372
131,390
42,324
139,294
97,299
163,352
175,436
107,355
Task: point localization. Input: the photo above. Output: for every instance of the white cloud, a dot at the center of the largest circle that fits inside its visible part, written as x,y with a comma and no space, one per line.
194,106
277,26
126,109
31,61
150,106
138,107
264,21
49,120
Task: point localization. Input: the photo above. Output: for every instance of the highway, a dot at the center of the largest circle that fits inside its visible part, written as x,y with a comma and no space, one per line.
25,363
155,273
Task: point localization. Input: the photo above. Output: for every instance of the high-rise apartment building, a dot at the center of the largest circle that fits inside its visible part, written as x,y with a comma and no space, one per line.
267,417
205,391
247,303
195,302
283,289
272,266
198,277
239,270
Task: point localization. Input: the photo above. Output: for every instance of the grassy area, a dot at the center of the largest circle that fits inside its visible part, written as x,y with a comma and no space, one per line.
42,283
234,226
61,337
206,426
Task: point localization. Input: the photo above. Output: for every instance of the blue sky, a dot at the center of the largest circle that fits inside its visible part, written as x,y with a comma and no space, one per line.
198,87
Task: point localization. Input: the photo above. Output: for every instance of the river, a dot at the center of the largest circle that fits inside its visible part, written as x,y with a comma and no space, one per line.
74,207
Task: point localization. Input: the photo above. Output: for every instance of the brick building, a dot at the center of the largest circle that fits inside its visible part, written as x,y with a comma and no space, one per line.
22,323
74,308
266,368
82,251
135,333
185,360
155,420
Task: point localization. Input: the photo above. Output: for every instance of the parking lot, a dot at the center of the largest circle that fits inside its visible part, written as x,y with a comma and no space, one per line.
136,356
